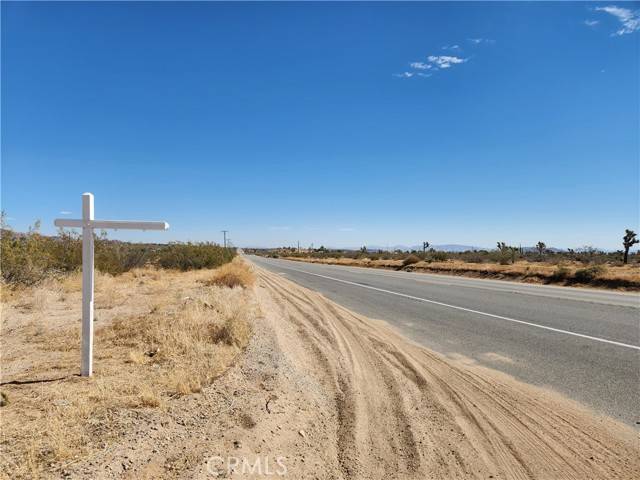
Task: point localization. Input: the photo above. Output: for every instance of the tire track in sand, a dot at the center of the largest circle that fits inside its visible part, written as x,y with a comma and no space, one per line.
403,411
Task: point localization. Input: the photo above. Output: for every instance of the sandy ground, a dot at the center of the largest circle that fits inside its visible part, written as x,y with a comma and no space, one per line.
323,393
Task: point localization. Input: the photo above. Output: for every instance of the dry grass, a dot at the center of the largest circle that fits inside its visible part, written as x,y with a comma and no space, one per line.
569,273
162,335
234,274
108,290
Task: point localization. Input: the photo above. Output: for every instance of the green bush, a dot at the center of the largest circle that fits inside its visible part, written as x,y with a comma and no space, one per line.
588,274
439,256
473,257
561,273
189,256
29,258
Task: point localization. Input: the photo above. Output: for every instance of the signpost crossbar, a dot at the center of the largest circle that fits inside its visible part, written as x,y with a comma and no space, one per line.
111,224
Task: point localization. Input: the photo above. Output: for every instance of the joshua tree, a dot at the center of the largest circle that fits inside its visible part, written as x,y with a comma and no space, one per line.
425,245
507,251
514,253
628,241
541,247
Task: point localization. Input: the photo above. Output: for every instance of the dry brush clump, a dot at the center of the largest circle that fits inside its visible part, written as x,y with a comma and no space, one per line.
167,334
410,260
234,274
186,344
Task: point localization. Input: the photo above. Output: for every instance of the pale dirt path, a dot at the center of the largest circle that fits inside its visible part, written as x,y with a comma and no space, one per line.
341,396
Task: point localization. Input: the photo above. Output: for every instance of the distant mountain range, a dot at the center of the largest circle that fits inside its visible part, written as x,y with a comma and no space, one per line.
449,247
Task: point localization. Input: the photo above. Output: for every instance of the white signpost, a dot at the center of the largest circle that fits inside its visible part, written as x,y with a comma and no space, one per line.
88,224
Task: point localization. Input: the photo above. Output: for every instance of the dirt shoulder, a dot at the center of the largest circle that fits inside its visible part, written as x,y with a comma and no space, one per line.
323,393
402,411
625,277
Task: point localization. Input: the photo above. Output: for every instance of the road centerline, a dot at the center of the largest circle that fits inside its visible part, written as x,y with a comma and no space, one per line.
478,312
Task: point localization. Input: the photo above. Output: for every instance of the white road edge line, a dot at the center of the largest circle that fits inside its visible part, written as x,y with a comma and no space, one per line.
544,327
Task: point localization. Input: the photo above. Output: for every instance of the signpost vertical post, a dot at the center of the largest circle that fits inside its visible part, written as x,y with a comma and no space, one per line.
86,365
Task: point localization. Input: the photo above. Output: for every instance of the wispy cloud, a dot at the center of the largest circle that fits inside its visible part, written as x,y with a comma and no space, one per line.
404,75
445,61
420,65
591,23
479,40
65,212
434,63
629,19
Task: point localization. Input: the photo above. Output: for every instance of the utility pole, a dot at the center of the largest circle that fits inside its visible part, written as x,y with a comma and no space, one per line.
298,246
224,234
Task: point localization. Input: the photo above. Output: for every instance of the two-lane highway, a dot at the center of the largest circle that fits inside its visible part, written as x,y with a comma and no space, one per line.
583,343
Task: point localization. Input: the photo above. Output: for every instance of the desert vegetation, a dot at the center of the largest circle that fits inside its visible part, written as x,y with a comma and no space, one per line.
29,258
586,266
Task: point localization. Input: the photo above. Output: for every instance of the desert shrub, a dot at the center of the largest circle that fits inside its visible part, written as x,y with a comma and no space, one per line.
234,274
17,264
588,274
118,257
561,273
439,256
189,256
410,260
473,257
29,258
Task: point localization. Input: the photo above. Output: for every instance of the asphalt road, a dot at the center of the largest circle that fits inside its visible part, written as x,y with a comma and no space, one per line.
583,343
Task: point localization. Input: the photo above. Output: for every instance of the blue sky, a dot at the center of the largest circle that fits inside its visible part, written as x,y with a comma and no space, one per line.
337,124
